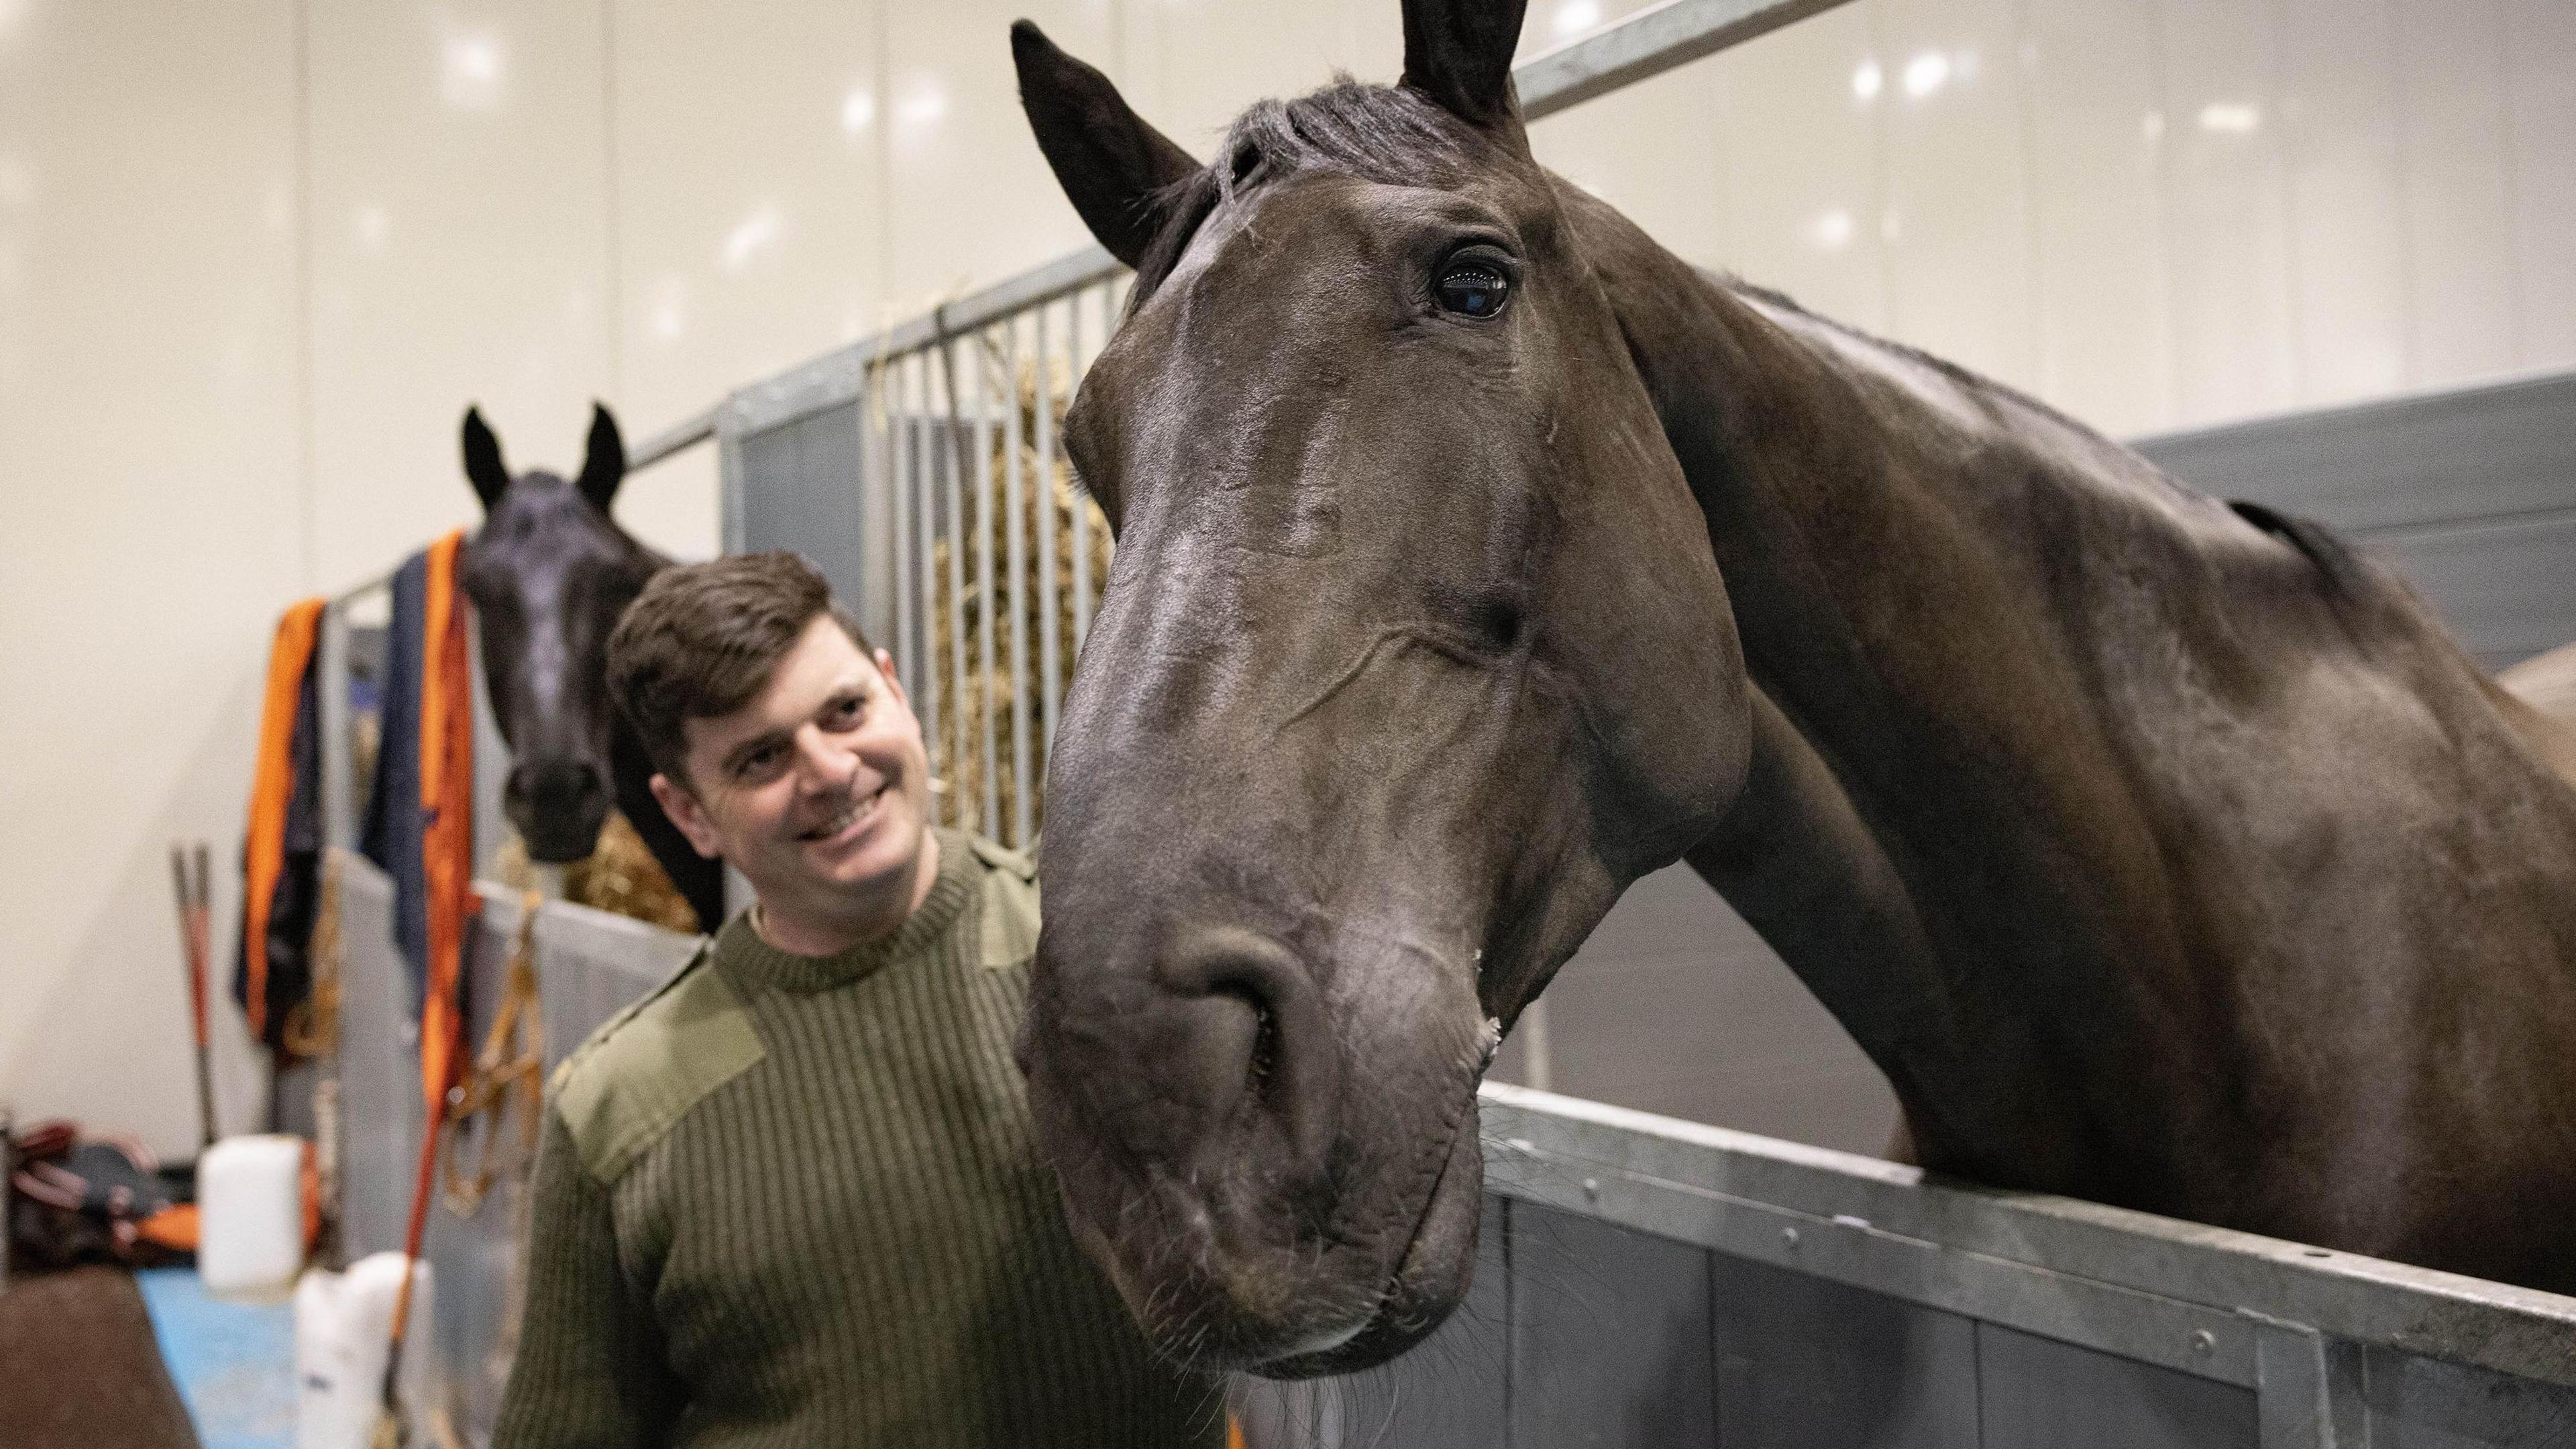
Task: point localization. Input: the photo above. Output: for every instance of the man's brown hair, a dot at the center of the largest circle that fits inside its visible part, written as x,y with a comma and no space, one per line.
701,639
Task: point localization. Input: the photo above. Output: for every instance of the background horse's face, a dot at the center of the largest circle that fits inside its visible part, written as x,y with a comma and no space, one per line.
549,573
1413,655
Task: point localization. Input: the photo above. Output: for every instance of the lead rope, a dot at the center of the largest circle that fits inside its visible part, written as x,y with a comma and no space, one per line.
485,1086
313,1032
511,1065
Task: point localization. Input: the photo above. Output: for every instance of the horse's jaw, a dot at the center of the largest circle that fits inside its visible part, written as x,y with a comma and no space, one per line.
1293,1309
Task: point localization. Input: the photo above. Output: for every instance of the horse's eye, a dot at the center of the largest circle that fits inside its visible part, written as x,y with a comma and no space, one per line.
1472,287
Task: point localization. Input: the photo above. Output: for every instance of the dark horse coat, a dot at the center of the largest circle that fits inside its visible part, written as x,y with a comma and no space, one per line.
1477,555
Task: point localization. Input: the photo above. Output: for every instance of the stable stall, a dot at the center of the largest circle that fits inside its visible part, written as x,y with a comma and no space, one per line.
1642,1280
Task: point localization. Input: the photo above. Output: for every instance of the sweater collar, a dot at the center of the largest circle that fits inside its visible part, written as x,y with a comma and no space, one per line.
756,962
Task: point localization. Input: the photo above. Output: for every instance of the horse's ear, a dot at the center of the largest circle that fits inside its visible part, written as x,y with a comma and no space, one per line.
1459,53
603,467
1112,165
483,466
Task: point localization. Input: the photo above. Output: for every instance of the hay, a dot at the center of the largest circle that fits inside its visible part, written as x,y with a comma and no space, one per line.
621,877
1018,604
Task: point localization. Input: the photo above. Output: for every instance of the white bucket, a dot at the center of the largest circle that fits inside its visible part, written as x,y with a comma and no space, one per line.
343,1322
250,1215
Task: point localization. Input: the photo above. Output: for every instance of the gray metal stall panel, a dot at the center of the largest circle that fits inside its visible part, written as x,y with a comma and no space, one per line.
589,966
2470,492
1855,1302
805,477
380,1112
1807,1363
2036,1393
1610,1335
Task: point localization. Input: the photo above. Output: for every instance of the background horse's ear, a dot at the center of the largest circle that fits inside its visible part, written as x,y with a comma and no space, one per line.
1113,166
1459,53
483,466
603,466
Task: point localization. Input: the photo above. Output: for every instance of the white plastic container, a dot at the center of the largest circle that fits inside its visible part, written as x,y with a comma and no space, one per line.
250,1215
343,1322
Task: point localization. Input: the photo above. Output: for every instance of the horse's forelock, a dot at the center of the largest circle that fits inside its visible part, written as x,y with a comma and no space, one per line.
1378,133
1385,134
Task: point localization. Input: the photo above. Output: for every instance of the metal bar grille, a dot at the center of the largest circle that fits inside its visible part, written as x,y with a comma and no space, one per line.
990,565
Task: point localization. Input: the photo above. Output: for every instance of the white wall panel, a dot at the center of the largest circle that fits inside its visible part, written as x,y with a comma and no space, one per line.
2458,214
2348,241
2235,349
970,196
1957,214
1804,182
1197,63
1657,151
149,435
2095,116
459,233
751,234
2540,51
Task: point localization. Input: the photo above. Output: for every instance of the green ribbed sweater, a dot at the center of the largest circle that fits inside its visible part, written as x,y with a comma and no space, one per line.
794,1200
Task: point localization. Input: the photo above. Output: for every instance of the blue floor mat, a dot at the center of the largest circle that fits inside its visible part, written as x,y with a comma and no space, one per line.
234,1363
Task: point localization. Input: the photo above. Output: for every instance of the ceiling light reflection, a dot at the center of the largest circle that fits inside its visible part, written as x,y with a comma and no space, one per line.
923,105
1926,73
750,237
1868,81
1833,230
1573,17
2233,118
470,75
858,111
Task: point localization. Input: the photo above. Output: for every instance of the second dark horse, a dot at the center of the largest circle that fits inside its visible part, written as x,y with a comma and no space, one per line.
549,572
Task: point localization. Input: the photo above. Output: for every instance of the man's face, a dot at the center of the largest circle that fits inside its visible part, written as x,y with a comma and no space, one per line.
818,790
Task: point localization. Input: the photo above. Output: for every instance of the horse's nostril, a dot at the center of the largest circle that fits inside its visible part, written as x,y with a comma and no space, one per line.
1288,1066
1265,1049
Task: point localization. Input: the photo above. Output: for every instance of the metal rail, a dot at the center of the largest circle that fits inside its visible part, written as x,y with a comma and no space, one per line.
1647,44
2157,1290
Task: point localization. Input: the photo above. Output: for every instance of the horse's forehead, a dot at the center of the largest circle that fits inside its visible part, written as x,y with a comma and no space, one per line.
1313,203
541,530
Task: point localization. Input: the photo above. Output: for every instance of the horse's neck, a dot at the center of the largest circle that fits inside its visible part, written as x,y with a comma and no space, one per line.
1898,543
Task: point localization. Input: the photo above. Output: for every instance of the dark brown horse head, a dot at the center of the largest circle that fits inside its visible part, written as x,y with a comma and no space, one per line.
549,573
1413,656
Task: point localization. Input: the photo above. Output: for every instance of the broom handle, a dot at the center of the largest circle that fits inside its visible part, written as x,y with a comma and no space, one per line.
194,938
205,985
389,1404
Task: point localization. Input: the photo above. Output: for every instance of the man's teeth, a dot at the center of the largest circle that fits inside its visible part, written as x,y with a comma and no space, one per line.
842,821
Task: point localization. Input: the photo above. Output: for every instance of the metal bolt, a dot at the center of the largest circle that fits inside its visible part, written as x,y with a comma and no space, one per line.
2204,1343
1592,1187
1789,1236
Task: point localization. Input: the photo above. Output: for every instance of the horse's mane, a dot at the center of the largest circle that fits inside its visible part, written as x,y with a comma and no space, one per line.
1976,384
2343,568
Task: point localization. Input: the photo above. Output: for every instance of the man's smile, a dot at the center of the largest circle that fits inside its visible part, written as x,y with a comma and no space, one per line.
845,823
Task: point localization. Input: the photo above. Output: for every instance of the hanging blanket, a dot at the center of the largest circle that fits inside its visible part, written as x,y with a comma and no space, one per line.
420,815
282,850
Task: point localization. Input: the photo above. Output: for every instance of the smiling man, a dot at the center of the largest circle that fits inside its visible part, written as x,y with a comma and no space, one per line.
791,1197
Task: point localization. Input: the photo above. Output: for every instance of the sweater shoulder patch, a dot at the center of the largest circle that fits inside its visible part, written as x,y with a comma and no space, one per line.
1009,924
639,1074
996,857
